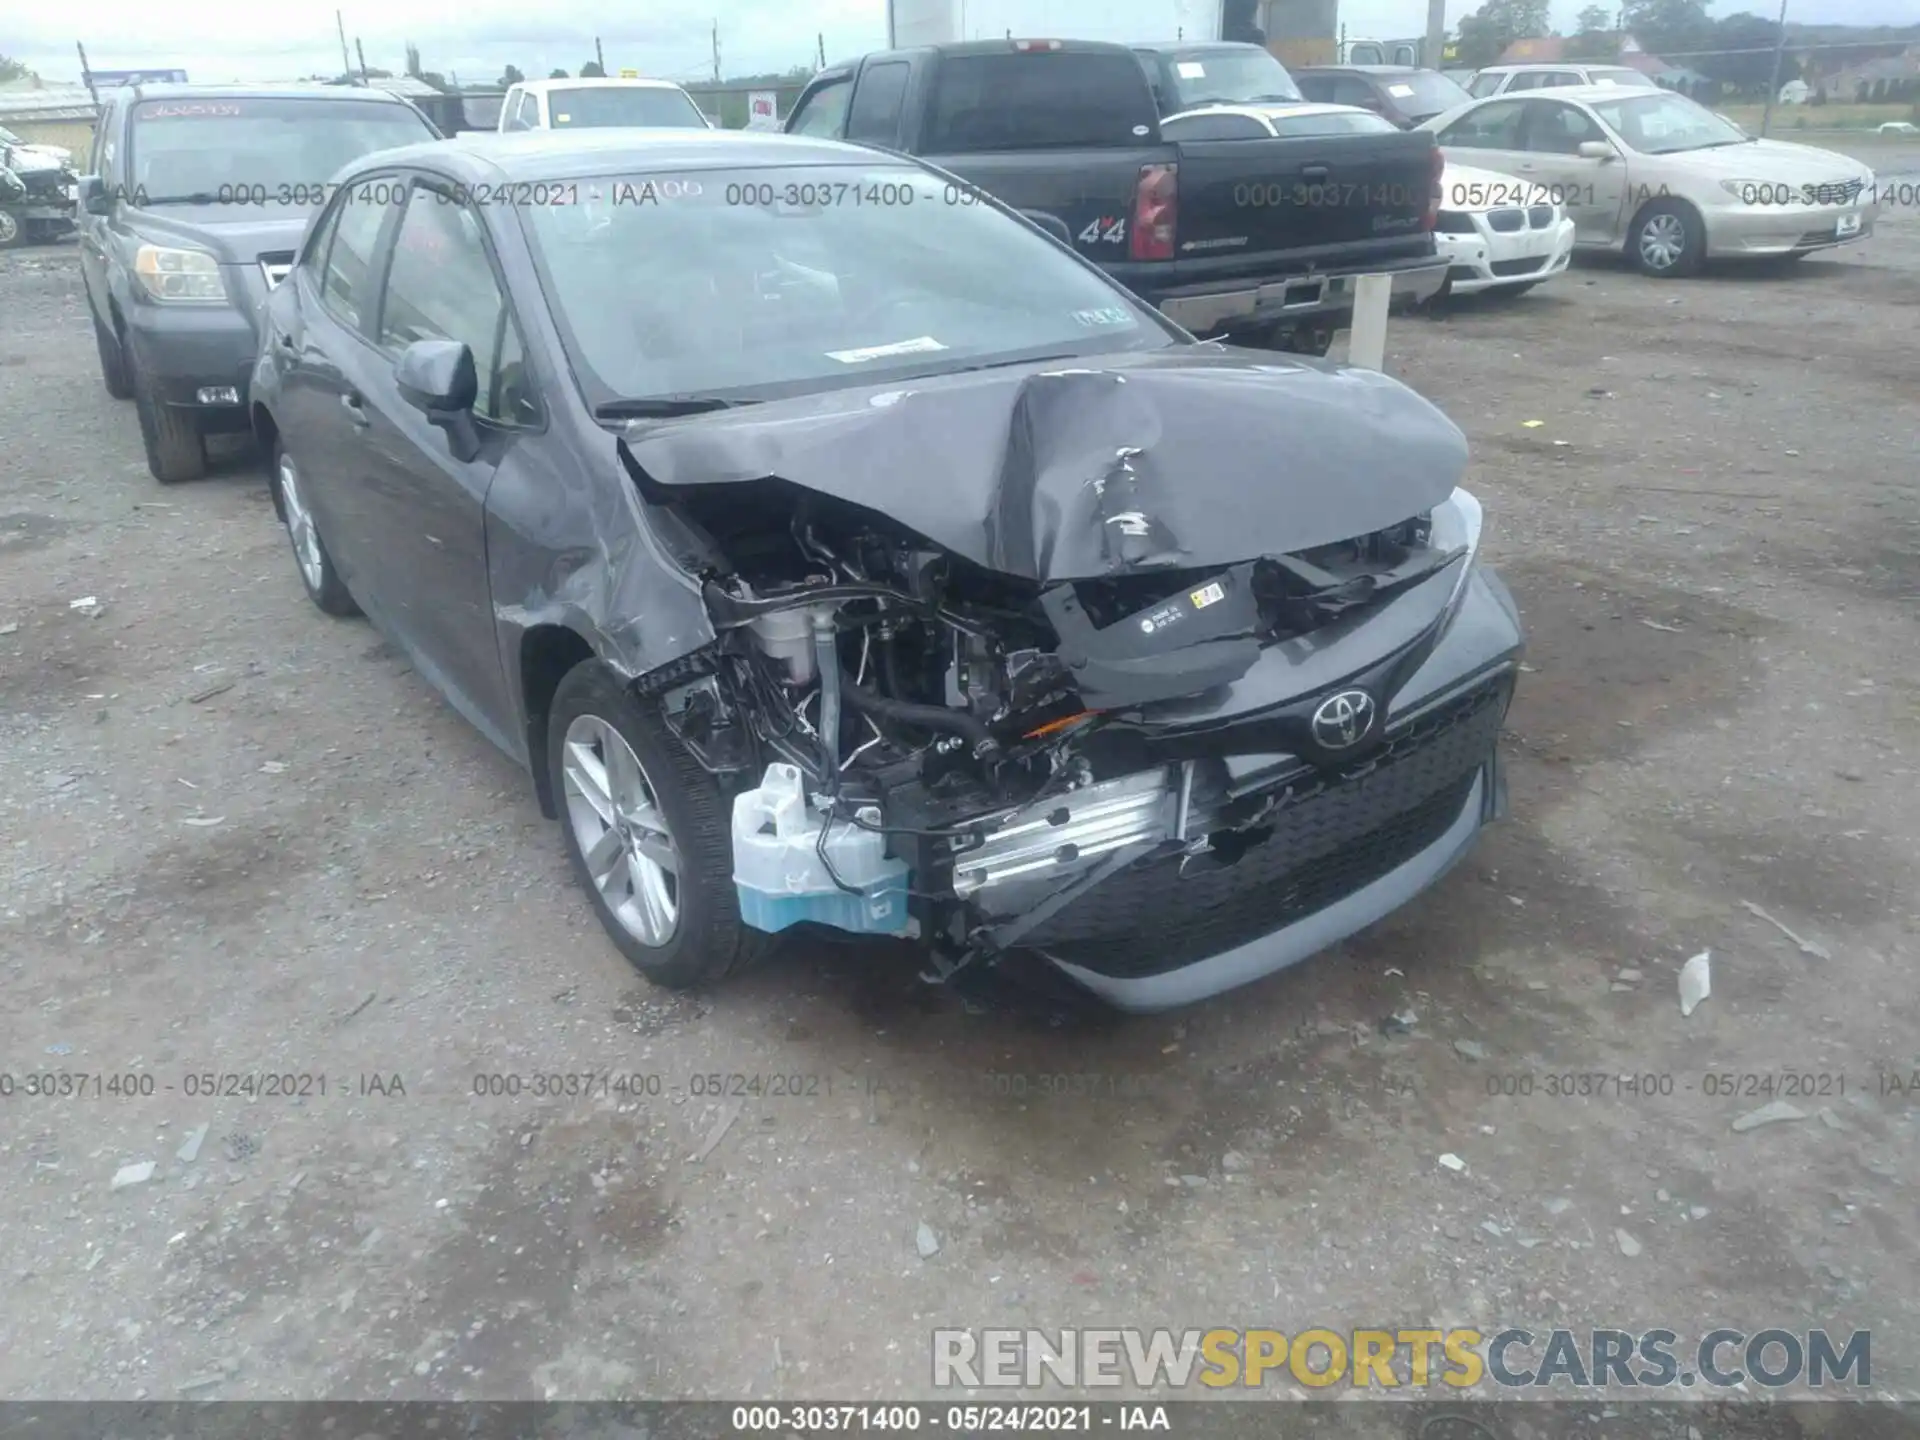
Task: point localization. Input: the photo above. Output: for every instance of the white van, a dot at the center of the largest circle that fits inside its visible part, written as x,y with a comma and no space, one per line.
591,104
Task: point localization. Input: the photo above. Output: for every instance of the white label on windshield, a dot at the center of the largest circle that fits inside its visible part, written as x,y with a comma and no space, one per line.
1603,80
563,118
1401,91
1107,315
918,345
1190,70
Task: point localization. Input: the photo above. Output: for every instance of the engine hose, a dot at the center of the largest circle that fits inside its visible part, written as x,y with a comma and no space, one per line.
927,717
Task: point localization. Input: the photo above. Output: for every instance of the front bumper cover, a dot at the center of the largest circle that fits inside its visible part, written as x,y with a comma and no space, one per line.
1353,850
1487,259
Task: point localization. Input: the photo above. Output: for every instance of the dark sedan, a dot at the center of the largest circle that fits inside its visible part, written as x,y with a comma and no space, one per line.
1403,94
835,547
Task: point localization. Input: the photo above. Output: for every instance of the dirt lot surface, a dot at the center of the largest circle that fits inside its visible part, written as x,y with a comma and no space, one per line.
242,838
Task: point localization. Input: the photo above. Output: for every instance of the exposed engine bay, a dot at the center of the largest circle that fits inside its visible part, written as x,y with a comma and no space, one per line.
920,745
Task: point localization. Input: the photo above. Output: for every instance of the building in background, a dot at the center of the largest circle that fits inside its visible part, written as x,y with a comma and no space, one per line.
43,114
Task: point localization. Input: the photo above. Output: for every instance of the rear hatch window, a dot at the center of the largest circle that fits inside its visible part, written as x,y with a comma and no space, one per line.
1039,100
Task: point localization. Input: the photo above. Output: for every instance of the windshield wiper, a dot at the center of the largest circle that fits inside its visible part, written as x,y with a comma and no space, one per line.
1002,364
661,407
198,197
1275,100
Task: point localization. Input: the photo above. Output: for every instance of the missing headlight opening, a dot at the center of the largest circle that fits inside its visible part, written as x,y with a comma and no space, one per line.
920,745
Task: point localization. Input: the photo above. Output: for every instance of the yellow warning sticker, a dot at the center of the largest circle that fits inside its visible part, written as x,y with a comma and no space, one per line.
1208,595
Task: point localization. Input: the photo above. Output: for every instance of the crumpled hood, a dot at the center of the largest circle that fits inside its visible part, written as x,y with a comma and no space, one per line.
1231,454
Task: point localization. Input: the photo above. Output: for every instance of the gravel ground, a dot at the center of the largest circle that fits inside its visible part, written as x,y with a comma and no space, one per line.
241,837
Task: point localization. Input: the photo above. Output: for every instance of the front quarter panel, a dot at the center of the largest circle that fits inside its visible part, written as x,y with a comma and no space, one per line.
569,545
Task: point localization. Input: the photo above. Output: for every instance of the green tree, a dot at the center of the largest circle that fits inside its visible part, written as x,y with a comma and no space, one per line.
510,76
413,60
1594,38
593,70
11,69
1486,33
1669,26
556,74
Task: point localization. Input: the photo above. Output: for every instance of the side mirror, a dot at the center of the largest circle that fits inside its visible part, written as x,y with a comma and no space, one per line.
437,378
93,196
1596,150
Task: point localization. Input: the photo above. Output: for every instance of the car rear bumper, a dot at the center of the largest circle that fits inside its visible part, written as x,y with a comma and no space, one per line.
1785,230
1488,259
1204,309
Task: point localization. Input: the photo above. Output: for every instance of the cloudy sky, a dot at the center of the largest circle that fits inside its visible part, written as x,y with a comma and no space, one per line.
218,40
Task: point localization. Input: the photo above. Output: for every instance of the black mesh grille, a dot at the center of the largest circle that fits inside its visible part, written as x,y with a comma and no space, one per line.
1454,222
1326,843
1526,265
1539,216
1506,221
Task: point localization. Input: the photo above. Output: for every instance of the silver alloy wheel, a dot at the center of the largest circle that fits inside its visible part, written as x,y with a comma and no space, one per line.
619,826
306,539
1663,240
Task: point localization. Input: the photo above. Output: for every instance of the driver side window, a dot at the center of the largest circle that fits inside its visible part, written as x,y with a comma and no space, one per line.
441,286
825,111
1554,128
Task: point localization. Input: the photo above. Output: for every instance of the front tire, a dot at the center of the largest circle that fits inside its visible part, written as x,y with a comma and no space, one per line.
1668,241
13,228
648,834
310,555
175,450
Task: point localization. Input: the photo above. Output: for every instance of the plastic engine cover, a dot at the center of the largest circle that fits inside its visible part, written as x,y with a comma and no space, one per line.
781,879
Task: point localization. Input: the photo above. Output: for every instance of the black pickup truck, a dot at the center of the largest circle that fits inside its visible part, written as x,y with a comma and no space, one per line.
1257,239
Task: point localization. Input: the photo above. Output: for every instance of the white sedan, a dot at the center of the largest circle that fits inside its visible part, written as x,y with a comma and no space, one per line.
1495,231
1668,182
1498,232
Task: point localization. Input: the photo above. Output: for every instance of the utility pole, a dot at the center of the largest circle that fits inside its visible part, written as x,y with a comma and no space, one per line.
820,49
1773,86
346,61
86,72
716,52
599,58
1436,34
360,50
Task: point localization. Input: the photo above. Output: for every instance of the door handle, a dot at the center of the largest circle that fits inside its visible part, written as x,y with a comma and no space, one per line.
350,402
1314,174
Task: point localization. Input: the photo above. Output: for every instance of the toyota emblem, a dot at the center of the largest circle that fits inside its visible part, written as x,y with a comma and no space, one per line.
1343,720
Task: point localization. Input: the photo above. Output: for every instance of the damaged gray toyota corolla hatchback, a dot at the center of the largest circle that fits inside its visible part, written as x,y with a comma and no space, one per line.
836,547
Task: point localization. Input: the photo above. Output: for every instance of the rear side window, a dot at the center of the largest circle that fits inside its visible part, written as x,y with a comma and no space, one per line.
1039,100
874,118
1485,84
1491,127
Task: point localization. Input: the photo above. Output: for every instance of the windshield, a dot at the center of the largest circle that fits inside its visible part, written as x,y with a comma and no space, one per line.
747,284
595,106
1242,75
1665,124
257,151
1421,93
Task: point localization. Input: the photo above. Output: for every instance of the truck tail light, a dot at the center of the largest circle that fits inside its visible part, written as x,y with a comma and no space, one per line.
1156,211
1027,46
1432,217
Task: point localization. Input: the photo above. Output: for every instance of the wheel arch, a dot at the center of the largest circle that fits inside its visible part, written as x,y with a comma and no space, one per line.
547,652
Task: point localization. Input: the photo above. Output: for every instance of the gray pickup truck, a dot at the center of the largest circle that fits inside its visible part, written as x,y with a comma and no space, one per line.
1258,240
